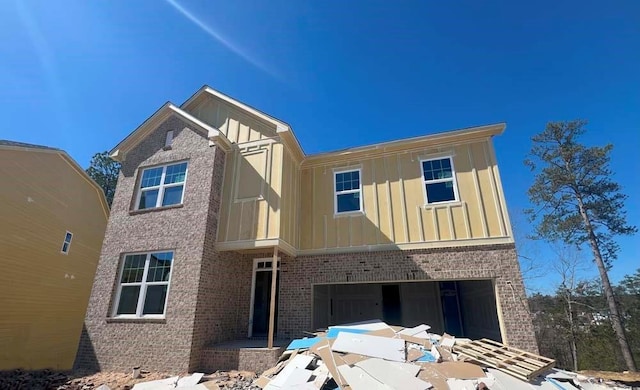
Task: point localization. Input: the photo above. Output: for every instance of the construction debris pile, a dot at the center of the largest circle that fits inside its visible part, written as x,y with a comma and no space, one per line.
373,355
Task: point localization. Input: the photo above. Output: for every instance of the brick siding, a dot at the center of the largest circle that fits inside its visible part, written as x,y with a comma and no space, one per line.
496,262
165,345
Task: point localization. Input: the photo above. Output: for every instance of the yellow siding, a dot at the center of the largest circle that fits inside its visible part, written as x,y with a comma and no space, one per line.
44,293
236,125
290,199
394,203
252,194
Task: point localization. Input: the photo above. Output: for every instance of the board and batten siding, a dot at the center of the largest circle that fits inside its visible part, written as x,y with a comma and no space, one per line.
252,193
235,124
44,293
260,191
394,201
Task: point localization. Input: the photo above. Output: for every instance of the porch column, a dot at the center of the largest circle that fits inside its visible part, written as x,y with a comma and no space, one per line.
272,306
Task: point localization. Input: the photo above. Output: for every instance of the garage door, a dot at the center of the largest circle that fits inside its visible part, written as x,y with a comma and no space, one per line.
461,308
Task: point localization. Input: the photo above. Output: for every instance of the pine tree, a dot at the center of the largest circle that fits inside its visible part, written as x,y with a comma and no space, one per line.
578,203
104,171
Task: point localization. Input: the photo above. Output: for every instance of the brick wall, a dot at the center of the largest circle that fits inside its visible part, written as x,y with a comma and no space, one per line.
249,359
165,345
497,262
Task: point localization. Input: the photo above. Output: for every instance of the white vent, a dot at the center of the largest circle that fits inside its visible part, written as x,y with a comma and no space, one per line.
169,139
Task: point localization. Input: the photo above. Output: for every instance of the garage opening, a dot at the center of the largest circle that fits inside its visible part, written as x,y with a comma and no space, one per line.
465,308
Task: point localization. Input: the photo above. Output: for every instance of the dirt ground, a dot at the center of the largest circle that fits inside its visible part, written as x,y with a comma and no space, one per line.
625,377
51,380
115,380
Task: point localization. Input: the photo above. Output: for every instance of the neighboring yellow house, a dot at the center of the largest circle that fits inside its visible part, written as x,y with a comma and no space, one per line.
52,222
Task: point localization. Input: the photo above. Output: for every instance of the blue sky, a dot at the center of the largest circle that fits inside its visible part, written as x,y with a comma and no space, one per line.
81,75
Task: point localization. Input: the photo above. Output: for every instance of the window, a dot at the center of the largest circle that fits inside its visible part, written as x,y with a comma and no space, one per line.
347,191
66,243
143,285
439,180
162,186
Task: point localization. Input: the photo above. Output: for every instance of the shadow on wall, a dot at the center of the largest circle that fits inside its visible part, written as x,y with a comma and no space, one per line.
86,359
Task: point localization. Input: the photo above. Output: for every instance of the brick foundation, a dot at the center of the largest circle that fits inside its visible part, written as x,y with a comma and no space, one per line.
249,359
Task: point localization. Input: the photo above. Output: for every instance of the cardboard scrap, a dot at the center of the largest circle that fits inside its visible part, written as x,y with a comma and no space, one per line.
446,355
387,332
424,342
323,350
262,382
414,354
352,358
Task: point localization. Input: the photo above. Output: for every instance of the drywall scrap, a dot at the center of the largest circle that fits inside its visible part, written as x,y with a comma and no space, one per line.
374,355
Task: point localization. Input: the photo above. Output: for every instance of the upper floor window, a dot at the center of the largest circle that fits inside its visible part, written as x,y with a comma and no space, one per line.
348,191
162,186
439,180
66,243
144,284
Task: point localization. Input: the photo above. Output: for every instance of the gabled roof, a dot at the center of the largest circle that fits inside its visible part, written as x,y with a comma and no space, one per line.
283,129
164,112
4,142
286,134
26,147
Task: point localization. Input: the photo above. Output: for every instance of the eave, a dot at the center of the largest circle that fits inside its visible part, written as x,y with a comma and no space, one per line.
439,140
214,135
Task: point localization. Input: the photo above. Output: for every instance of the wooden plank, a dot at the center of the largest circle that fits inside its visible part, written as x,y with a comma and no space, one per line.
521,364
272,307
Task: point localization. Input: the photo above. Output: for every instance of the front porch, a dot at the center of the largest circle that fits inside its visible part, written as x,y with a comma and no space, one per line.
246,354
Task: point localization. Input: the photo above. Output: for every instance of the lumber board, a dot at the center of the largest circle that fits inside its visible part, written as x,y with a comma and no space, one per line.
513,361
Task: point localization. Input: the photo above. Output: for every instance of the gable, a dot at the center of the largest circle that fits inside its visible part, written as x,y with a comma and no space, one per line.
236,124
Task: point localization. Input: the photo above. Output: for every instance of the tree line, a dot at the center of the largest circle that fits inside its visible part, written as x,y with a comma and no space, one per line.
574,325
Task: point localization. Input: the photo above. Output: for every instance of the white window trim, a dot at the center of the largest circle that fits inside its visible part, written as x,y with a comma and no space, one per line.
161,187
452,179
253,287
143,287
64,241
336,193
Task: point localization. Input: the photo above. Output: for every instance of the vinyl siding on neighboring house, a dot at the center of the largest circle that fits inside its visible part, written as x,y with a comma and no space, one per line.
43,292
